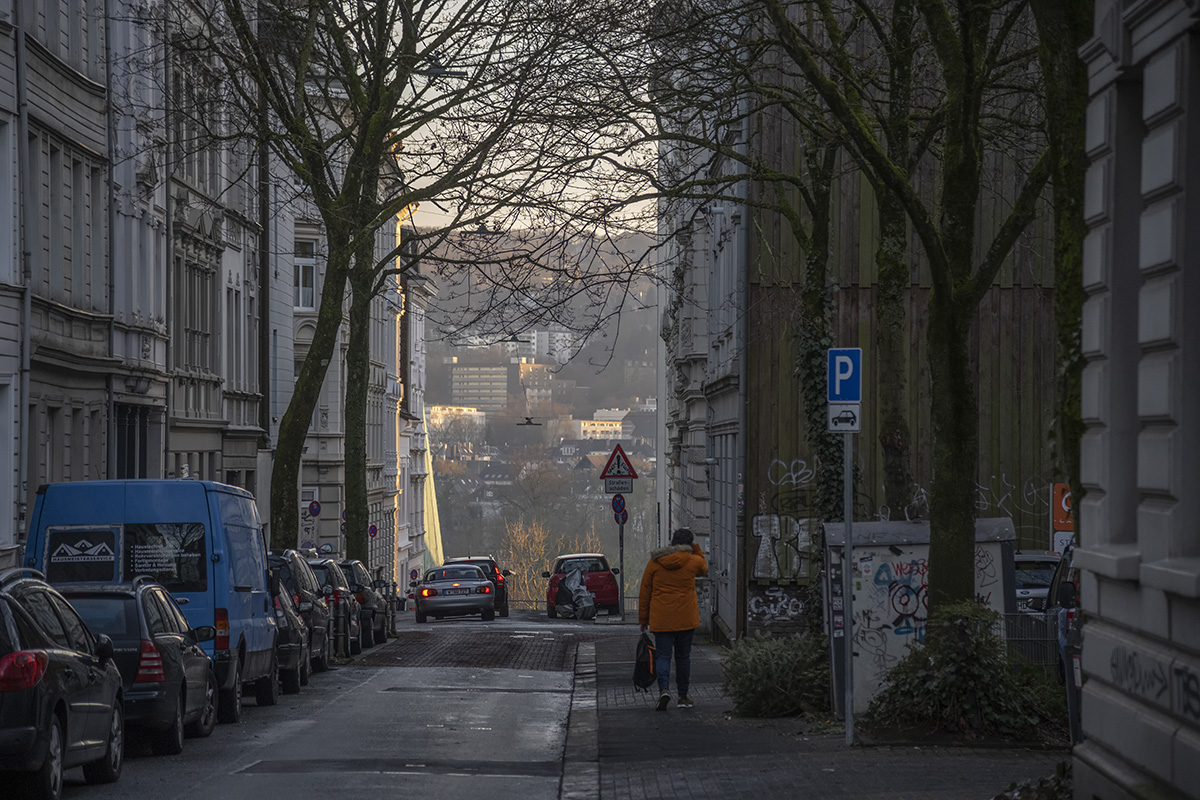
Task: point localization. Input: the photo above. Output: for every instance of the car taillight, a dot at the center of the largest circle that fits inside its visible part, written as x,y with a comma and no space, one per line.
22,669
150,666
278,607
499,577
428,591
221,618
484,589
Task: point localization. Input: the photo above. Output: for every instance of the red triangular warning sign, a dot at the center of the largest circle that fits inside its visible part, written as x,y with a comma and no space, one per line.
618,465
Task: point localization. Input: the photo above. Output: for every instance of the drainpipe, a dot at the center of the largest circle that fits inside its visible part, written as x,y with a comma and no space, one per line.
169,248
110,130
27,215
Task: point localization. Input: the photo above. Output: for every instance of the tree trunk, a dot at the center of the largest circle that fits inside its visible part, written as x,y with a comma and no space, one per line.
891,363
293,428
358,382
1063,27
955,452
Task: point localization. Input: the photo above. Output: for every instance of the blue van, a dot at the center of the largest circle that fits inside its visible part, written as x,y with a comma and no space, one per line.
201,540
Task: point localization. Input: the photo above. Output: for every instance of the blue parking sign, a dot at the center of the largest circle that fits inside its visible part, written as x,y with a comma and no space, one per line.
845,375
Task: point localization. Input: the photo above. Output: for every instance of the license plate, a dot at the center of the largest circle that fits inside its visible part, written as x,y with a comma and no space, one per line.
458,591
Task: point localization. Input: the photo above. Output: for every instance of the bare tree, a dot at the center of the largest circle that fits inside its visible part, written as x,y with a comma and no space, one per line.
488,109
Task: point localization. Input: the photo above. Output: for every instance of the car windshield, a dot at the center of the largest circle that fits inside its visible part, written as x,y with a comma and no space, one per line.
485,566
584,564
1035,574
454,574
327,575
113,615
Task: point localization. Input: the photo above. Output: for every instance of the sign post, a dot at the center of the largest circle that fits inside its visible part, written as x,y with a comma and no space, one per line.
618,476
845,416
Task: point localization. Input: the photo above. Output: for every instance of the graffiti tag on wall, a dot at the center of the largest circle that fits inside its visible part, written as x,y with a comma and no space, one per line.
785,547
775,604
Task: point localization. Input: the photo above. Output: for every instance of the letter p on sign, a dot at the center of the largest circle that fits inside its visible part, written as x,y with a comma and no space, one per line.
845,375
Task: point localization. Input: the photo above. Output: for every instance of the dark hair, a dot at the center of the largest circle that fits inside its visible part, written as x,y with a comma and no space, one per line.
682,536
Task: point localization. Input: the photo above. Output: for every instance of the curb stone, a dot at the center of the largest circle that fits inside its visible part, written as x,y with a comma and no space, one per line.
581,755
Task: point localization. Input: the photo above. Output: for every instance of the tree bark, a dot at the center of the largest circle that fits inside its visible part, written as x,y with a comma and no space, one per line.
955,452
1063,27
891,363
293,428
358,383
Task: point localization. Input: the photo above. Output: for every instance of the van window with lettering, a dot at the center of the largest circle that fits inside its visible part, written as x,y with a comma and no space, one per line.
172,553
81,555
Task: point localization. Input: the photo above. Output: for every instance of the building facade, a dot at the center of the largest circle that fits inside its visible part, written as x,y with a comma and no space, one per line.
154,326
1139,546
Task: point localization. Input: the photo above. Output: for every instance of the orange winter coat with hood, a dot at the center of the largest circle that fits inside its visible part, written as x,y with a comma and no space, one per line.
667,600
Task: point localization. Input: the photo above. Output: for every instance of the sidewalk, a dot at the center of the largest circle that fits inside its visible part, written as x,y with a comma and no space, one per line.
619,747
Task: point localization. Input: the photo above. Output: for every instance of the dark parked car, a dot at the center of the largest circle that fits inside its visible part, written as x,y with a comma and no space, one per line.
496,575
292,646
455,590
599,579
300,580
169,681
373,603
336,588
61,701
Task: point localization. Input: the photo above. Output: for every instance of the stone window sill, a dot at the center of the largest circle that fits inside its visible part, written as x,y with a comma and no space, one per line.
1118,561
1178,576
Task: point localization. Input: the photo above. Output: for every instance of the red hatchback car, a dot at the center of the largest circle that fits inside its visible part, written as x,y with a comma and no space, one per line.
599,579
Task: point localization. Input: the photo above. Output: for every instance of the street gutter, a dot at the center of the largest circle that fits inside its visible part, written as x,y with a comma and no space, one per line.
581,754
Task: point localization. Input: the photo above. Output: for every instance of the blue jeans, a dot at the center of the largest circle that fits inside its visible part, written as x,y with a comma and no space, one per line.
679,642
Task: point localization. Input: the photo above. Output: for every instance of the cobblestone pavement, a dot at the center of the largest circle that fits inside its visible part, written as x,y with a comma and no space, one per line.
507,649
619,747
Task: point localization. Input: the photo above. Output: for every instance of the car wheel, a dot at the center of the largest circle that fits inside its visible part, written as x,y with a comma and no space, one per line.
504,610
47,781
322,660
170,741
266,688
204,724
229,706
356,643
614,610
291,682
305,666
108,769
551,611
368,633
421,618
489,614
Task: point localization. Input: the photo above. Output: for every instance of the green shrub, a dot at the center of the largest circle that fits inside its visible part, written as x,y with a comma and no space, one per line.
960,681
777,676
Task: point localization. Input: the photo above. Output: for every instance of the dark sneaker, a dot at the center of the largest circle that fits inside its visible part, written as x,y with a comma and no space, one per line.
664,700
686,702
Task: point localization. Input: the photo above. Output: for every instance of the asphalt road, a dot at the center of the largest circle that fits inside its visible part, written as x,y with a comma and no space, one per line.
448,709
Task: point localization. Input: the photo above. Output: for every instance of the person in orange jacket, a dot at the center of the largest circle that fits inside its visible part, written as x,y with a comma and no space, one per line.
668,608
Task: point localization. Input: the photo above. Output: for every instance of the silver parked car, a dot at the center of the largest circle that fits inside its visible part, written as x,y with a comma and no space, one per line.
455,590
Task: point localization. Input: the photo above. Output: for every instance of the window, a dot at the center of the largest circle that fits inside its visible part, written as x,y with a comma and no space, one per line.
113,615
76,631
39,607
306,273
173,554
75,554
154,615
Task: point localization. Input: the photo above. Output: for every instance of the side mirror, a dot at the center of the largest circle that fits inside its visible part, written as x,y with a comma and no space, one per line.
273,581
379,584
205,633
305,606
1066,594
506,572
1038,604
616,571
104,648
327,590
545,574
